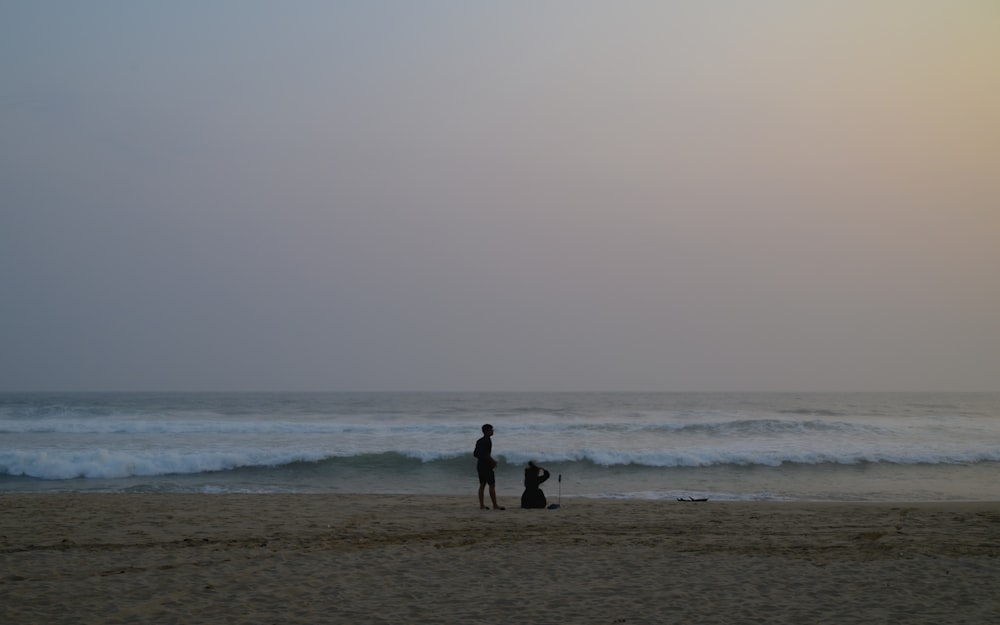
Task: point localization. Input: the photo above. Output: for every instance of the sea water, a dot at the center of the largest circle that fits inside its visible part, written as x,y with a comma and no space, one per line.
755,446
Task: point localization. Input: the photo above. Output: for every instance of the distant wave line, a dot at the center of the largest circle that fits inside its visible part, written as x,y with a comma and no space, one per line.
139,426
108,464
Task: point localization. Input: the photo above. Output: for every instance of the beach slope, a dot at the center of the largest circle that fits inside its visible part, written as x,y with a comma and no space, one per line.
143,558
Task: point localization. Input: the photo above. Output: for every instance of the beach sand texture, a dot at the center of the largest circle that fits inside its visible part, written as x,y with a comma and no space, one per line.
130,558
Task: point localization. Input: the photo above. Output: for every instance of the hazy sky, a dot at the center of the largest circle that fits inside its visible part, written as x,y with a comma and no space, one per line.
517,195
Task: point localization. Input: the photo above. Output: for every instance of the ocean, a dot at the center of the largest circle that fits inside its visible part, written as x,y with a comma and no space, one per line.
723,446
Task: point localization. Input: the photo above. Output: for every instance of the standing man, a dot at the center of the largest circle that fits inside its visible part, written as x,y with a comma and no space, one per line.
485,465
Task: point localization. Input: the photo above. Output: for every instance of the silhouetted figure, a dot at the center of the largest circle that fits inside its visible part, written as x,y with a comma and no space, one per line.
533,497
485,465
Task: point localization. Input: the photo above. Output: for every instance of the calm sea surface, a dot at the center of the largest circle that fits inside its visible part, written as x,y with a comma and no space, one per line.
757,446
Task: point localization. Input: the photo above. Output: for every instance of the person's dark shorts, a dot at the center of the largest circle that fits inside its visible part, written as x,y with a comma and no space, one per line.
486,475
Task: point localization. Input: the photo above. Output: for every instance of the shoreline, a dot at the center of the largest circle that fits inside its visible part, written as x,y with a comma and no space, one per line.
291,558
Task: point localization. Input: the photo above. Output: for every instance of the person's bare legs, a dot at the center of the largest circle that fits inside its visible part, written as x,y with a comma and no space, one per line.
493,497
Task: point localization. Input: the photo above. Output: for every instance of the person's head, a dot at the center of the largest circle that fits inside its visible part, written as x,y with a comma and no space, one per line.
487,429
531,469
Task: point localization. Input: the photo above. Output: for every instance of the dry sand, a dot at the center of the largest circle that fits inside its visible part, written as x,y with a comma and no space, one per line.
123,558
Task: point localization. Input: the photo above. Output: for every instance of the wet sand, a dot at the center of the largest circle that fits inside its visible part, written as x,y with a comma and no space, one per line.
130,558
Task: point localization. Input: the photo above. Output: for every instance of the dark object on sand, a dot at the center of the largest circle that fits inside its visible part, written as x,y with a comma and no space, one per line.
556,506
692,499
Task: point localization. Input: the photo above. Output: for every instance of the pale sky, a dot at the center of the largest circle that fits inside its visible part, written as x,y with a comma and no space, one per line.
777,195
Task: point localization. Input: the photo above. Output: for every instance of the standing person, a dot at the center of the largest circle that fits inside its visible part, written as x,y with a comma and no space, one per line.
533,496
485,465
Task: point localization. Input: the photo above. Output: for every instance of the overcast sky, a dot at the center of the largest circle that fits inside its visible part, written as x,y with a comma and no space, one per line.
519,195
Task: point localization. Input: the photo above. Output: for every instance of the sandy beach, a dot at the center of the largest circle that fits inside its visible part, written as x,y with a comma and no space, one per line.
124,558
